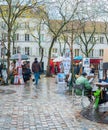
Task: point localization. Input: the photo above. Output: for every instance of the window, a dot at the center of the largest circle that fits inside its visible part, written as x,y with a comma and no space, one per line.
26,25
3,25
17,37
4,36
101,40
21,25
93,39
27,50
45,52
101,52
54,50
16,50
92,53
76,52
77,40
40,51
26,37
3,51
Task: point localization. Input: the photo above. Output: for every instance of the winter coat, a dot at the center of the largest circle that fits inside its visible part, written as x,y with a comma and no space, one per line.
36,67
83,81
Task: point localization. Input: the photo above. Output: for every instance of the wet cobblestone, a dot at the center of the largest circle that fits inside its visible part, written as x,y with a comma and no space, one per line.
47,107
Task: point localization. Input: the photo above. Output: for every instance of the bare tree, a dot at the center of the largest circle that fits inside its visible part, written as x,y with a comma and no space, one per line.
56,27
88,27
14,36
105,30
62,40
87,37
10,12
38,37
71,33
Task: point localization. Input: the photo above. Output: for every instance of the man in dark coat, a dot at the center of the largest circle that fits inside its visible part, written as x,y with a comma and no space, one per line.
36,70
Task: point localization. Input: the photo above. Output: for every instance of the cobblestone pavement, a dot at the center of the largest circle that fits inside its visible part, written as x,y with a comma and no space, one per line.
48,107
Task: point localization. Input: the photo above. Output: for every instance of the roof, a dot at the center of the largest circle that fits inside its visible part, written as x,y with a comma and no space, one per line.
78,26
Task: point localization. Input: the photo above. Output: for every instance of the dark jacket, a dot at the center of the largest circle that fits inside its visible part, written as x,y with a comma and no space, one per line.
26,74
35,67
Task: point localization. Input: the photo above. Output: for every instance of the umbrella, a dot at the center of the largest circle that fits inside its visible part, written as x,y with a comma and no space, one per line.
58,59
16,57
78,58
3,60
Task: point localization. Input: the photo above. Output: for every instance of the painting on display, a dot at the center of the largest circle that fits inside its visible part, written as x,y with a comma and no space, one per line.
86,62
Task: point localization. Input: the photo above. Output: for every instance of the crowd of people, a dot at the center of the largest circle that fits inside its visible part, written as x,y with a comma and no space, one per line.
22,72
26,72
82,78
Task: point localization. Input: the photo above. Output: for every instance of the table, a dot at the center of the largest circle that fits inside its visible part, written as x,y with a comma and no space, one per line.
102,84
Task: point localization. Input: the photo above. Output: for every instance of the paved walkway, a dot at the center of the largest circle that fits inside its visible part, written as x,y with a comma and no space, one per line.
47,107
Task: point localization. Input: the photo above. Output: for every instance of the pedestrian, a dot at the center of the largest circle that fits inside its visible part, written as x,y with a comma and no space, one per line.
4,74
26,72
55,69
36,70
92,70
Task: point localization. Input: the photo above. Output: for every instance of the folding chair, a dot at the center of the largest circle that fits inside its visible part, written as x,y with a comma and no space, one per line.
81,87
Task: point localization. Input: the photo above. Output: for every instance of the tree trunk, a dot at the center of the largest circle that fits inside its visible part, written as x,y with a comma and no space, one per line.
72,67
48,72
71,70
42,52
8,51
13,47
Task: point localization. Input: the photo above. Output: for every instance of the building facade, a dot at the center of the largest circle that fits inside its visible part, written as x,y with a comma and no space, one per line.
26,41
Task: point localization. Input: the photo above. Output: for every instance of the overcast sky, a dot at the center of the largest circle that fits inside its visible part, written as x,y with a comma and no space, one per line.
100,6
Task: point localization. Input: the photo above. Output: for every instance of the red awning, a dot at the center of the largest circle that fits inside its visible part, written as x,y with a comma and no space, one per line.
95,61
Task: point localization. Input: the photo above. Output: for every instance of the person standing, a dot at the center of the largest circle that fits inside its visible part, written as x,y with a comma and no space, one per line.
4,74
36,70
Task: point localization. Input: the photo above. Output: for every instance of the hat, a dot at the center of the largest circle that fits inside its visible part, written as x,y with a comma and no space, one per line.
84,73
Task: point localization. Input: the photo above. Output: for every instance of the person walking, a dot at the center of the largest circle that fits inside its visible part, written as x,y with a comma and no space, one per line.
36,70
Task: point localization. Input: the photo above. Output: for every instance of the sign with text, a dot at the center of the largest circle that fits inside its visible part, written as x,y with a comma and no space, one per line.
86,62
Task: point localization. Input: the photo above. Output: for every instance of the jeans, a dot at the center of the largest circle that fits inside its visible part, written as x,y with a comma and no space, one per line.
36,76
